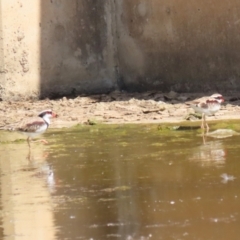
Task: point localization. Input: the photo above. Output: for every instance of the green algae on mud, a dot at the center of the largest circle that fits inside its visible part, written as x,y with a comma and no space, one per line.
124,129
17,141
162,127
196,125
8,137
231,124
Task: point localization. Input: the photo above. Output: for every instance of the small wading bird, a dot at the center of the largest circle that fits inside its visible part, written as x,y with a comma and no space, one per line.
33,127
207,106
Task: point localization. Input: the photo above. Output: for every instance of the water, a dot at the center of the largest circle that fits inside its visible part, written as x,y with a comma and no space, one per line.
120,182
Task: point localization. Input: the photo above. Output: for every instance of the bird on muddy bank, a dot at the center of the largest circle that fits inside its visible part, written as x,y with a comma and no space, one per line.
207,106
32,127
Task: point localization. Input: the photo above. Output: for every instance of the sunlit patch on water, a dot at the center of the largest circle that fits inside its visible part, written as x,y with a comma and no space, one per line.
228,219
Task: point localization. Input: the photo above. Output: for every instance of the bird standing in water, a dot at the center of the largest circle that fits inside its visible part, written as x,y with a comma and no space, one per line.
33,127
207,106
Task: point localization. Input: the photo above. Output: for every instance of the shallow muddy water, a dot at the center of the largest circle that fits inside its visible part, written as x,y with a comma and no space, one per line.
120,182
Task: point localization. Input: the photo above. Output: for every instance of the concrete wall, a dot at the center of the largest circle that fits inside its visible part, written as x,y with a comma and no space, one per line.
77,46
20,49
179,45
58,47
2,78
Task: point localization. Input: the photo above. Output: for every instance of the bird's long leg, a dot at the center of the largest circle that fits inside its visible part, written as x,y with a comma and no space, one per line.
29,155
203,127
42,140
28,141
203,120
207,127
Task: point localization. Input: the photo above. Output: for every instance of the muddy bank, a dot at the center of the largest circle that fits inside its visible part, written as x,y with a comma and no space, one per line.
117,107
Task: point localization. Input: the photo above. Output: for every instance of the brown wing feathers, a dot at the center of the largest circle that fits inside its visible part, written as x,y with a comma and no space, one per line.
203,105
31,127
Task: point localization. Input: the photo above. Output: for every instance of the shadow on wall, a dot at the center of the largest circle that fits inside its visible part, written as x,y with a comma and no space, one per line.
98,46
76,48
184,47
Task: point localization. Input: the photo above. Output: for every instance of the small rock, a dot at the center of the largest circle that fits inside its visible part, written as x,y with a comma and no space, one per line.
171,95
182,98
74,118
222,133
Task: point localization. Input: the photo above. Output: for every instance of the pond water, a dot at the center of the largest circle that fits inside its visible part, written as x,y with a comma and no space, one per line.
120,182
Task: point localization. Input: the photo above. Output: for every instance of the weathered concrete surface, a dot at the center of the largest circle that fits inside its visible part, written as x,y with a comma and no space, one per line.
56,47
53,48
179,45
2,78
77,47
19,49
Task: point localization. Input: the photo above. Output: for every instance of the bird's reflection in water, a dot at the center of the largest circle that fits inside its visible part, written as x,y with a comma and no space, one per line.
204,138
31,156
37,163
211,152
